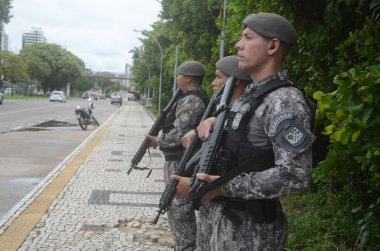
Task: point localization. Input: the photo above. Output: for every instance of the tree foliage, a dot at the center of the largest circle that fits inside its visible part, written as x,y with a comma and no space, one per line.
352,119
51,65
12,68
5,6
82,84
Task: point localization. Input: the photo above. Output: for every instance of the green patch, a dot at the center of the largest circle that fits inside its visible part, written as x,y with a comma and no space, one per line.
321,221
15,97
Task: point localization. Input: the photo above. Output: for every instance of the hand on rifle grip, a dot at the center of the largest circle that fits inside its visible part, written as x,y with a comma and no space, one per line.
152,140
216,192
183,185
205,127
186,139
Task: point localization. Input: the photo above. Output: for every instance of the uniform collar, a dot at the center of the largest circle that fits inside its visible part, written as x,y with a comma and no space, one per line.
192,89
283,75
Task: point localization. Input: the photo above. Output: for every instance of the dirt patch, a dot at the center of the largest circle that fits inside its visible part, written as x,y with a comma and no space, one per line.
144,232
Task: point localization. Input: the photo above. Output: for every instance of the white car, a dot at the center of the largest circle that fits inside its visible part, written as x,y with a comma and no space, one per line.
58,96
116,98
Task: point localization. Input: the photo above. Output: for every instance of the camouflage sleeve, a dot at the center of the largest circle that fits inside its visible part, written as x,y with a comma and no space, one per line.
188,114
292,170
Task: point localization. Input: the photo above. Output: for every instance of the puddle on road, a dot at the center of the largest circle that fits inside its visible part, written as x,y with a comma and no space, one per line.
31,129
45,126
54,123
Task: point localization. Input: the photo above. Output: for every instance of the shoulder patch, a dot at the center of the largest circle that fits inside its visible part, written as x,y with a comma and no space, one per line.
293,136
277,121
184,117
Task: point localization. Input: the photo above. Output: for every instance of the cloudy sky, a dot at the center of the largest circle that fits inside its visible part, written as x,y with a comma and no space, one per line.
98,32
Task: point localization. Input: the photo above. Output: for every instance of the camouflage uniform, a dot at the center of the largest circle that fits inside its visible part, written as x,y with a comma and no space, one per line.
187,116
291,173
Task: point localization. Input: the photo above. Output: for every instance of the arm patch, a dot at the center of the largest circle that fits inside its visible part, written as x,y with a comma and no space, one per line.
293,136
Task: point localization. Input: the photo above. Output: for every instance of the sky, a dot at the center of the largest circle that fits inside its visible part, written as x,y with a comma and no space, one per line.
99,32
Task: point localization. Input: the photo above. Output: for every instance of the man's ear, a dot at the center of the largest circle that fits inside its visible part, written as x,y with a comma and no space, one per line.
274,45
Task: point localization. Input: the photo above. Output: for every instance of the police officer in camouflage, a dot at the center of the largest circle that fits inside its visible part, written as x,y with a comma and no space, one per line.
184,116
268,141
225,67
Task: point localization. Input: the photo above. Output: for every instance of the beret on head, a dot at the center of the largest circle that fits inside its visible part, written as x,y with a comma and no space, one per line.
191,68
230,66
271,25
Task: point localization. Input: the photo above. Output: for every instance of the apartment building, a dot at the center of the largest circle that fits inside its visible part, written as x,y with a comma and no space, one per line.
33,36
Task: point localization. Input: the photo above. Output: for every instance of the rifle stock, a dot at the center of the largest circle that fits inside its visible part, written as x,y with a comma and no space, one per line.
184,169
155,129
211,146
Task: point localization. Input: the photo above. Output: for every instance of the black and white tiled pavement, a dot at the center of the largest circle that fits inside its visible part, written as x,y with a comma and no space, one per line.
104,208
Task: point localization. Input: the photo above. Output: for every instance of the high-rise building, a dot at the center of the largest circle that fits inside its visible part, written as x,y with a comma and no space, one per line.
33,36
4,40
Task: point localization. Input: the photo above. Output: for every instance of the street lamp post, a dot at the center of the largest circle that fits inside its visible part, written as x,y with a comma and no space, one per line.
159,46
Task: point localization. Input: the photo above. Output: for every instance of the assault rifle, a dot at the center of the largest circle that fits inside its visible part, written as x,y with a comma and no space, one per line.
210,147
185,166
157,126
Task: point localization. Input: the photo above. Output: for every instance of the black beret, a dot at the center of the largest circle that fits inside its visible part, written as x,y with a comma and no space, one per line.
191,68
230,66
271,25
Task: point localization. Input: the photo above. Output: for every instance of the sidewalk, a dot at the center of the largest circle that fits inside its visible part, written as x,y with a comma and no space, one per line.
90,202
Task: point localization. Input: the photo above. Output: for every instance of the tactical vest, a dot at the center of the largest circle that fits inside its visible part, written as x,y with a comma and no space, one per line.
175,153
238,156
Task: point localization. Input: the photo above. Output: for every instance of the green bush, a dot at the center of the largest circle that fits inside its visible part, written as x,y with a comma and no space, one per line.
322,220
352,119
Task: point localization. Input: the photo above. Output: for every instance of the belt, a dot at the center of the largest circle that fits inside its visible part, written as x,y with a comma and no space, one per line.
264,210
172,157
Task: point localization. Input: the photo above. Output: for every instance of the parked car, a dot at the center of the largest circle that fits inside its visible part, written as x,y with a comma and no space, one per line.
58,96
116,98
1,98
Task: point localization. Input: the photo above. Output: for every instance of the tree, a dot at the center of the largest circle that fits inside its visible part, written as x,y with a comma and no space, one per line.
12,67
82,84
52,65
5,6
37,68
191,26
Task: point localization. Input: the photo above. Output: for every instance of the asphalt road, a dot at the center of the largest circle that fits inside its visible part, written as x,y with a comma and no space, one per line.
35,137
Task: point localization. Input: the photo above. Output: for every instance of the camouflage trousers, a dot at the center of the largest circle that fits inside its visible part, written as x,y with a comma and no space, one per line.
216,232
183,225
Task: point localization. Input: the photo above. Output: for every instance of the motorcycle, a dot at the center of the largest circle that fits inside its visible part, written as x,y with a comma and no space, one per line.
85,116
